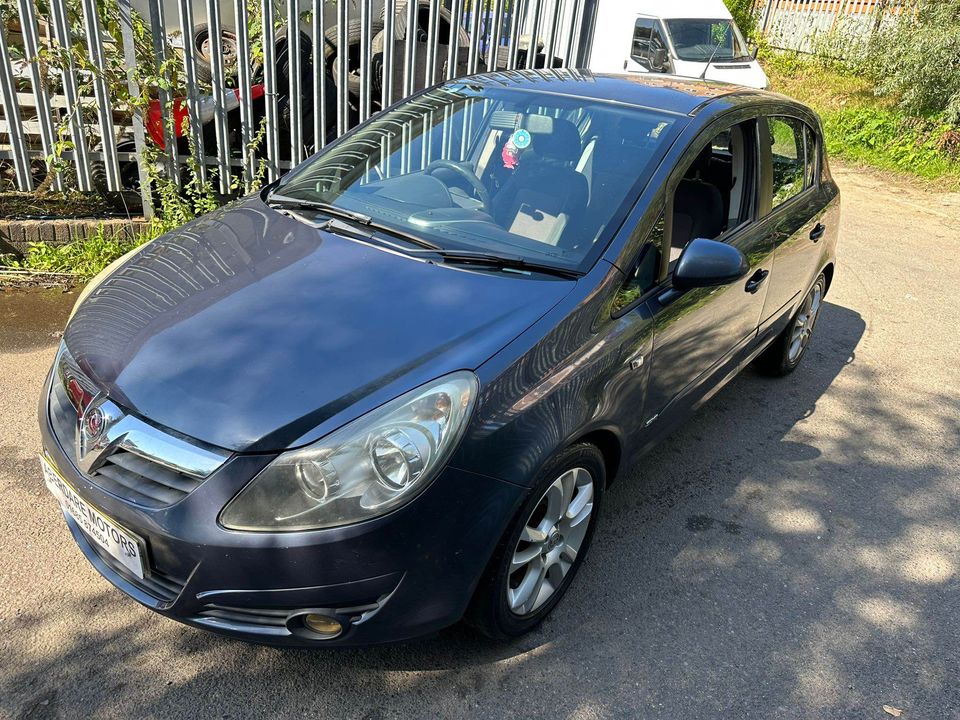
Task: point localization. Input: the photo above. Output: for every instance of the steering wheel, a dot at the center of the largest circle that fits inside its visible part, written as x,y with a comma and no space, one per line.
467,175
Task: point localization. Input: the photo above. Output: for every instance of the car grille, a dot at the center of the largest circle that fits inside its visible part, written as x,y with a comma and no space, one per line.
124,474
142,478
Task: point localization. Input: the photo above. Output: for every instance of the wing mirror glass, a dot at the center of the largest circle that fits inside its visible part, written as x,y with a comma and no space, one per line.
659,59
708,263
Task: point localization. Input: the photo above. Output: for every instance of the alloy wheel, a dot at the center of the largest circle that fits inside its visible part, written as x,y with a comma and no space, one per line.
804,323
550,540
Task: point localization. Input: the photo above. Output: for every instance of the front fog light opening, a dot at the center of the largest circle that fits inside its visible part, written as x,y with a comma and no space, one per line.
316,624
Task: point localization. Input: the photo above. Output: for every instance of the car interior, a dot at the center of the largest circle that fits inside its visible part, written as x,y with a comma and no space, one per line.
714,195
548,180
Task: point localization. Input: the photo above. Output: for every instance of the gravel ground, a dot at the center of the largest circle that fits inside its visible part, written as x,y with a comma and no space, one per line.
793,552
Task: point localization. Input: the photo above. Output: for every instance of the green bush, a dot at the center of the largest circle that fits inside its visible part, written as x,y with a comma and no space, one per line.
888,139
744,15
864,128
917,60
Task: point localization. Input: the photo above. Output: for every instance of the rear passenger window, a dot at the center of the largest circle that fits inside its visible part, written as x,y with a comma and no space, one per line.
788,150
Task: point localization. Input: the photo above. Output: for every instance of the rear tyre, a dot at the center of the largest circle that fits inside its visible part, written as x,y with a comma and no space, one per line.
785,353
543,548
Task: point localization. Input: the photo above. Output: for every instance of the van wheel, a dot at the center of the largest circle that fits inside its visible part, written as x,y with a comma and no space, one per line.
543,548
785,353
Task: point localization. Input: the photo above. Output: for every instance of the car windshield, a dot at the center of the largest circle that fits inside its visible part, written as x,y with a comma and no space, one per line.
482,168
699,40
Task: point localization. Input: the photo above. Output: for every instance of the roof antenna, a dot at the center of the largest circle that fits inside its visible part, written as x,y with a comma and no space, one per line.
703,75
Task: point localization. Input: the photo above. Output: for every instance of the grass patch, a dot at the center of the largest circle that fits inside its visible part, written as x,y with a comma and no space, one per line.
81,259
863,128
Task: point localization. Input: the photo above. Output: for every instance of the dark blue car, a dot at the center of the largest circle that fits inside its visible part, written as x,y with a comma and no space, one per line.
389,391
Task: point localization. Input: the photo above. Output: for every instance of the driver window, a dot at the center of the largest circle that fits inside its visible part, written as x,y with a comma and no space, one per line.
715,194
646,270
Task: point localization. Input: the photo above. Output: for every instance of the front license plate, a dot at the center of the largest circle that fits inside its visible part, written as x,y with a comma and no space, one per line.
122,545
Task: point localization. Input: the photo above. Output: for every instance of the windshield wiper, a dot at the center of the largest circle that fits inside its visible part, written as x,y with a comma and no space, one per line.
337,225
368,225
291,203
508,262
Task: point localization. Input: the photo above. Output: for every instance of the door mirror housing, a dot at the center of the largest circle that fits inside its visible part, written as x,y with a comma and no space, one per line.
659,59
708,263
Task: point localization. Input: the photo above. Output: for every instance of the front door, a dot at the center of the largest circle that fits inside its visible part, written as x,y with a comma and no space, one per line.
698,333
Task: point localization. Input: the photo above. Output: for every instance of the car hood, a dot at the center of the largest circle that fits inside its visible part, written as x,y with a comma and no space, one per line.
251,330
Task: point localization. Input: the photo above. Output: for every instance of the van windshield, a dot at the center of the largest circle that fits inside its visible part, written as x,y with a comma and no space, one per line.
699,40
480,167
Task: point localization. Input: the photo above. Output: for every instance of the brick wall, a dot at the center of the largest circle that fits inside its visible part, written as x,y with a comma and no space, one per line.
15,234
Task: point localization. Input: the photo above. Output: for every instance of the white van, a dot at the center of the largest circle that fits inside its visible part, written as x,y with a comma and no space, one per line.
692,38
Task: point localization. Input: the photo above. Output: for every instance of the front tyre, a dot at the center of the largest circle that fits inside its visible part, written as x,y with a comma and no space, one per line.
542,549
785,353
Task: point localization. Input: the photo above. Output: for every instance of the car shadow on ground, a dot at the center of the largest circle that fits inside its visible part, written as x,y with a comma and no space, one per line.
760,557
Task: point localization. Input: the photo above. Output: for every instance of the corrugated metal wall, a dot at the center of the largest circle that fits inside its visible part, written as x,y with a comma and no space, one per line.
801,24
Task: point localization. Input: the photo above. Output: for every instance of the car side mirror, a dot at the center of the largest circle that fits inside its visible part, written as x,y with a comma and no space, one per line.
756,51
708,263
658,59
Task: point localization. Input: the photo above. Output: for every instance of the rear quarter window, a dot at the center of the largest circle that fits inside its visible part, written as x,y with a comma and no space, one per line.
791,154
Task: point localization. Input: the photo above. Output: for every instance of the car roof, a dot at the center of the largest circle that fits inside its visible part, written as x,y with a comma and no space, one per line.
667,93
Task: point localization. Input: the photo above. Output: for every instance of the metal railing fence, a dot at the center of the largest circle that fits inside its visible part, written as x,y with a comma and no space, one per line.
802,25
103,94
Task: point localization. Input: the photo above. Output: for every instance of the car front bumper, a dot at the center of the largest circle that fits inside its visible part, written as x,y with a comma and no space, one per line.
400,576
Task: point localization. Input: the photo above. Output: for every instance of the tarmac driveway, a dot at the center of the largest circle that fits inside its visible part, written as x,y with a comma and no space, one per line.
793,552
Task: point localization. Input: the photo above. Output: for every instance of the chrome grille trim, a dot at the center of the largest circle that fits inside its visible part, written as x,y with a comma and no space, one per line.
133,460
246,616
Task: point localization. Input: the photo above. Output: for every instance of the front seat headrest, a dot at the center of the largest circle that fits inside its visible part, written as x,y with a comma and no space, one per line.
561,144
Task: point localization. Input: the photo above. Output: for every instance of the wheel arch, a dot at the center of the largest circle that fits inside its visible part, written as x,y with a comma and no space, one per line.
609,445
828,275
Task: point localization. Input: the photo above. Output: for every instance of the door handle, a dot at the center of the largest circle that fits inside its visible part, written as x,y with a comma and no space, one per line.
754,283
818,232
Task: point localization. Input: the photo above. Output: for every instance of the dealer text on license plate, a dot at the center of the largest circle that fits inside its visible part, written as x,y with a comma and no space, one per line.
123,546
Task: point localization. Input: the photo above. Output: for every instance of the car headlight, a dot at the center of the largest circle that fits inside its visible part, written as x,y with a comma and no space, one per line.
367,468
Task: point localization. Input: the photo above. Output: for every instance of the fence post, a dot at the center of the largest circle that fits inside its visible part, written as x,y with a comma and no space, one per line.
61,32
31,49
294,96
157,30
534,35
11,109
767,7
244,84
319,76
108,140
130,61
193,98
270,89
343,61
215,38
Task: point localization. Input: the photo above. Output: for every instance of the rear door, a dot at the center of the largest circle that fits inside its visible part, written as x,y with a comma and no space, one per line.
792,207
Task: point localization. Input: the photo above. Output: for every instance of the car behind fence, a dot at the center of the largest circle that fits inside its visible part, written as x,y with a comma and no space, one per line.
105,94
